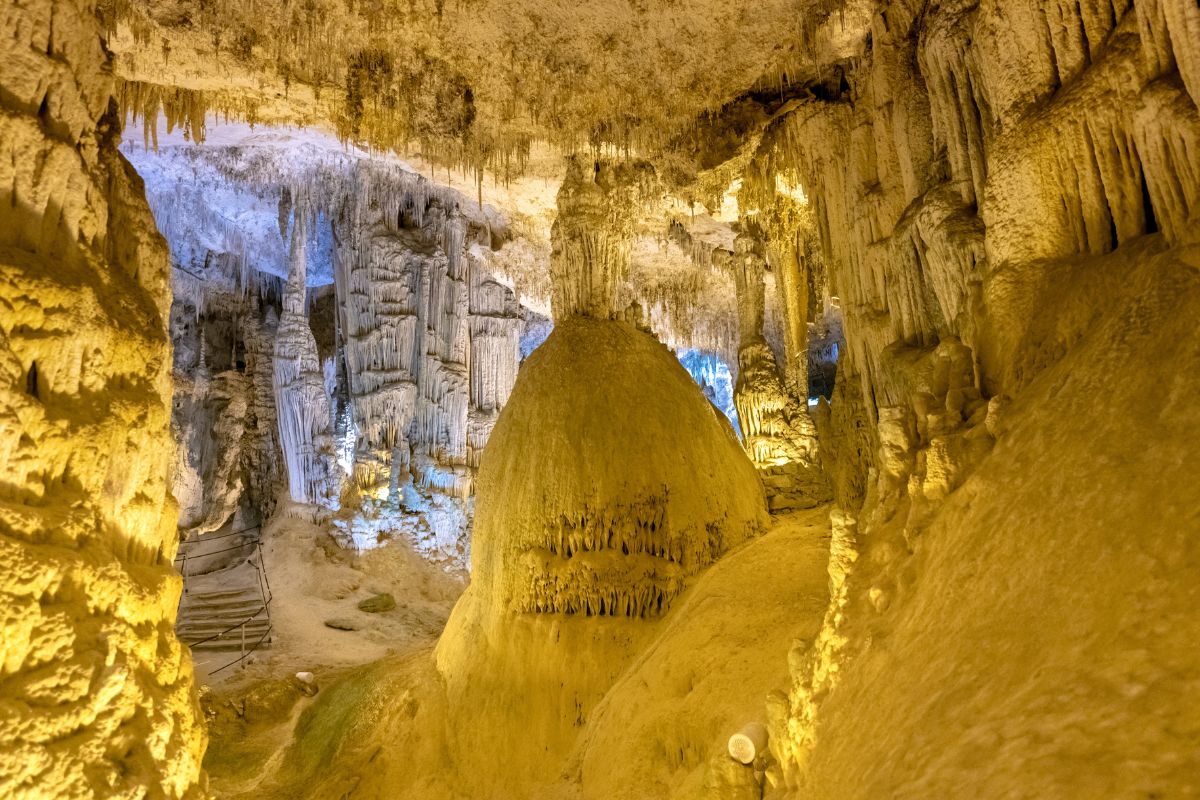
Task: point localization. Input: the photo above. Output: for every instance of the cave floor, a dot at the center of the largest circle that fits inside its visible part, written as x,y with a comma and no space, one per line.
271,736
314,582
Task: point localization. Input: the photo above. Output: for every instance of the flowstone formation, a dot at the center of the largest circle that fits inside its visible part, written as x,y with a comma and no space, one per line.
378,294
96,691
431,345
608,482
563,533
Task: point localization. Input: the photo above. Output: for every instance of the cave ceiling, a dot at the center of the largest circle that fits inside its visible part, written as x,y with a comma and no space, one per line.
484,86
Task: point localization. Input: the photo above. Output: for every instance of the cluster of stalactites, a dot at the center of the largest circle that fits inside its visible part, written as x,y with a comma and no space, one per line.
618,561
902,181
592,237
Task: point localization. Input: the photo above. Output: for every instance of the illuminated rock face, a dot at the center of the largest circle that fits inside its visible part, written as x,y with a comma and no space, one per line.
431,344
96,690
1005,197
608,484
608,480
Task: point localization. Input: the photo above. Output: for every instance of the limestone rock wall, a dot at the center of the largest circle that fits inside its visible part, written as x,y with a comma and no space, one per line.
96,690
227,456
979,174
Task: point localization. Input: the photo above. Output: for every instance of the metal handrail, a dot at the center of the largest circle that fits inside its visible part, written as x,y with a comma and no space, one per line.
203,538
245,652
233,627
186,556
264,589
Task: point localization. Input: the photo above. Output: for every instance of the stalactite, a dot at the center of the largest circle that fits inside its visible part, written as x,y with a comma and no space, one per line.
593,235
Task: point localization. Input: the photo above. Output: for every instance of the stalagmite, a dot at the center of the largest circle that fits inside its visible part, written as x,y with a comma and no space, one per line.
262,457
301,400
777,432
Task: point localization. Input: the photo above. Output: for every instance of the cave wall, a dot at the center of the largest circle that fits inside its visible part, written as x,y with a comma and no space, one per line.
1004,194
96,690
401,329
1058,133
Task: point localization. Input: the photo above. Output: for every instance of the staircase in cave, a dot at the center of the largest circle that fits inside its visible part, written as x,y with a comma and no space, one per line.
227,610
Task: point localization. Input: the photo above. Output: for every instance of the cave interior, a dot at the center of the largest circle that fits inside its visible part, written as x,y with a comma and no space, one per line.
680,399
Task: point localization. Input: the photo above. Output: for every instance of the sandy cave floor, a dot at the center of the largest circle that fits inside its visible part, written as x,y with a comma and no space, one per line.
732,642
312,580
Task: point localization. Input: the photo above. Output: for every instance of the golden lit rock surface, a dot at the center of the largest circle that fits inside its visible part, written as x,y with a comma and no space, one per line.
560,533
96,693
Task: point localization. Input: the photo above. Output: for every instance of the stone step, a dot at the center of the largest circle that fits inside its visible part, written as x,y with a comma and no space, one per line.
234,645
220,594
201,636
198,630
247,601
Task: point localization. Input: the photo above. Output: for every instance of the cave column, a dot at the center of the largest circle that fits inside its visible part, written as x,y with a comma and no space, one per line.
777,431
791,283
592,237
301,398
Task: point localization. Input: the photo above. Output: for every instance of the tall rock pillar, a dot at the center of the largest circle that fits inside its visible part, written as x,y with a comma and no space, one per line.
301,400
96,692
777,431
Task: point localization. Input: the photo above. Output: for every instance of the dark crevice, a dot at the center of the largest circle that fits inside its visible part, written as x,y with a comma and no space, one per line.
1151,221
31,382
